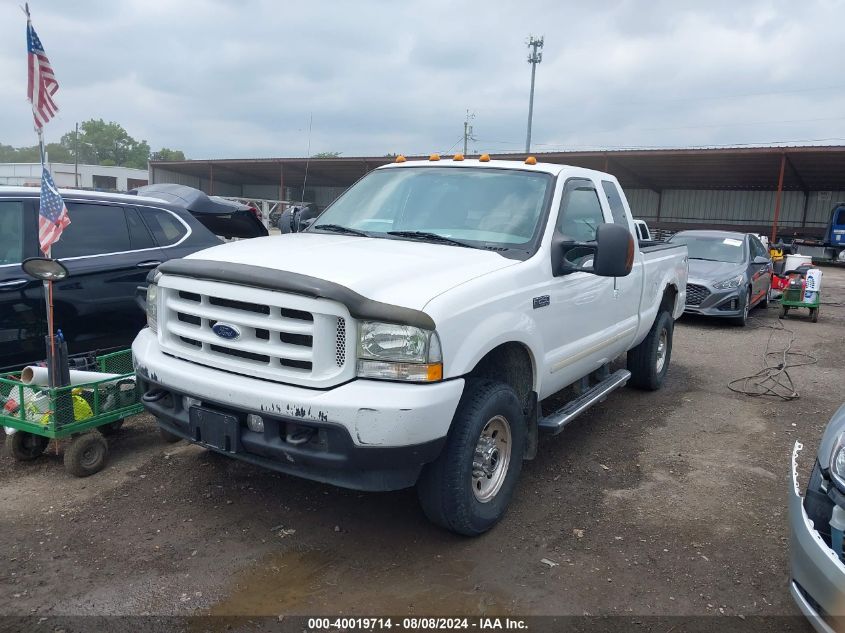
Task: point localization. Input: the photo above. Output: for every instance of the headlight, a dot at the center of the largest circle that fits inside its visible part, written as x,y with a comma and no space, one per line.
837,462
398,352
152,307
733,282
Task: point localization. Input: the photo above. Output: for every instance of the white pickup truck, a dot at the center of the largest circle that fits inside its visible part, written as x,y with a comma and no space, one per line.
411,333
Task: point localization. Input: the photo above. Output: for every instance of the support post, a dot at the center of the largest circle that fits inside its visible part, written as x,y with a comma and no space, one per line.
210,179
659,203
281,181
778,197
804,212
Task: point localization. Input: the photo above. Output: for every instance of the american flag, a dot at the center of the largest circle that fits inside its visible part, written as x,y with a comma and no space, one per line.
42,83
52,215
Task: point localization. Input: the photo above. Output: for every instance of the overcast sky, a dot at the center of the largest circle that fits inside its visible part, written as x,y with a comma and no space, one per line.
240,79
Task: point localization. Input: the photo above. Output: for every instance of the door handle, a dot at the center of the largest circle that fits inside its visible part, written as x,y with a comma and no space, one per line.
14,283
149,264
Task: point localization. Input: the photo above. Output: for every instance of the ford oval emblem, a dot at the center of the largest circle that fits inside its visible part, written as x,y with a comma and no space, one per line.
224,330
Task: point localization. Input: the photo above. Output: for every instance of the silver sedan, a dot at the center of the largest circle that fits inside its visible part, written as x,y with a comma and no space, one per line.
729,273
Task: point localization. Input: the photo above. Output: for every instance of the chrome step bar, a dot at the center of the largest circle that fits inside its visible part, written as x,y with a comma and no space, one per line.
555,422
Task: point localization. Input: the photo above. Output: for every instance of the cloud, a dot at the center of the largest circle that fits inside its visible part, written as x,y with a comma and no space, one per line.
240,79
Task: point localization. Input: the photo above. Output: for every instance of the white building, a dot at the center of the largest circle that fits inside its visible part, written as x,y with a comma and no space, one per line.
90,176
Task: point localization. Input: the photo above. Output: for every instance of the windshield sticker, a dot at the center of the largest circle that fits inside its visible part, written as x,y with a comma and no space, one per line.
732,242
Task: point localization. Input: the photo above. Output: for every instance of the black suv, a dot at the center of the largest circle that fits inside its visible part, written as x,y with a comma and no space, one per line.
113,241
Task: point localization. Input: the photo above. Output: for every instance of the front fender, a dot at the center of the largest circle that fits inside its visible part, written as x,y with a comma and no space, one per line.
466,344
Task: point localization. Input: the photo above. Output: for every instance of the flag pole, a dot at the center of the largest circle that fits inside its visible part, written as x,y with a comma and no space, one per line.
48,283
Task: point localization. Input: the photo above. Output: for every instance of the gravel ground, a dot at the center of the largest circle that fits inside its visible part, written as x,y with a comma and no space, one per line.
668,503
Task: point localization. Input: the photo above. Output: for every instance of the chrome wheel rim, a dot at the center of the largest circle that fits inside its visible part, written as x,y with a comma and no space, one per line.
662,345
491,459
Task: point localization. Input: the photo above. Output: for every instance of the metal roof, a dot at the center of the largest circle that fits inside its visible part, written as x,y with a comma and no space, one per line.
807,168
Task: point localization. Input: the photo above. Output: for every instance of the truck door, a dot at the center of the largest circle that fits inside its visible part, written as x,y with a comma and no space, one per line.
628,291
580,326
21,297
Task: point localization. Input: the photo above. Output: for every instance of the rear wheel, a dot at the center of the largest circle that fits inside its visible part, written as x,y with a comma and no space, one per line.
24,447
814,315
467,489
784,312
648,362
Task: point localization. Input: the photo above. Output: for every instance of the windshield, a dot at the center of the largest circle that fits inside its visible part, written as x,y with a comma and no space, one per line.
482,207
719,249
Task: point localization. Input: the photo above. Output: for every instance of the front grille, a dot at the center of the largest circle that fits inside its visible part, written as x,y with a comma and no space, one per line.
696,294
279,337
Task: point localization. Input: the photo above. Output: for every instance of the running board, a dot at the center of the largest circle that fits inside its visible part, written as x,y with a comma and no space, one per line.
555,422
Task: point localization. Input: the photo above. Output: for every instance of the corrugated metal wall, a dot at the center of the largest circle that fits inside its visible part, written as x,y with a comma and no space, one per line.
733,207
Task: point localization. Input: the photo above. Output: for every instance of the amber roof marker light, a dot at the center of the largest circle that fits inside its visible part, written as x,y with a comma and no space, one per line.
400,159
531,160
484,158
434,157
458,157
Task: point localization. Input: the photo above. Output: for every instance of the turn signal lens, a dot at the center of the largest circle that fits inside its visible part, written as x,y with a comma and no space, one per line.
531,160
434,157
484,158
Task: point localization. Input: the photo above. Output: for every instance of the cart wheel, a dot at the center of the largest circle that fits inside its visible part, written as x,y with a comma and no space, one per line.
814,315
783,312
111,428
24,447
86,455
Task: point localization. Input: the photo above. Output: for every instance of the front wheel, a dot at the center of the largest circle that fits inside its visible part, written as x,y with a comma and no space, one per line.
86,455
742,319
467,489
648,362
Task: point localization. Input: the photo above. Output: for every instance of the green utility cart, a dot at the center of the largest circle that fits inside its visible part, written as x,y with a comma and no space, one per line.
801,291
33,415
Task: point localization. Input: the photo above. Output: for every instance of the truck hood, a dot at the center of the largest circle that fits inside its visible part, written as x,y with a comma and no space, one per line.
399,272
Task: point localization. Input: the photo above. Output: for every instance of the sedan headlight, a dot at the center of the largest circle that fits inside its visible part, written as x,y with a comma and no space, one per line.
727,284
837,462
152,307
398,352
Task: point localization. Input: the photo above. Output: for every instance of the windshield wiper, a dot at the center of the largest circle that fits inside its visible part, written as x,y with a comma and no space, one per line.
337,228
425,236
705,259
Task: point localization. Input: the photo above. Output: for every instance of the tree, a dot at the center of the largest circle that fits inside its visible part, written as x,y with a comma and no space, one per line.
99,143
102,143
327,155
165,153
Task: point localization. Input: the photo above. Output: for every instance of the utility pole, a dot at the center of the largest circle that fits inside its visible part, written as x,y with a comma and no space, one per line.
76,157
468,130
534,58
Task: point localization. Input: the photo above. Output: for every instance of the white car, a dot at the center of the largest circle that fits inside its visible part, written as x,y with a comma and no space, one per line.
410,334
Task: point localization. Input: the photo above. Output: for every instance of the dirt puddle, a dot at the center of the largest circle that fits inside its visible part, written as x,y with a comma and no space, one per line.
314,583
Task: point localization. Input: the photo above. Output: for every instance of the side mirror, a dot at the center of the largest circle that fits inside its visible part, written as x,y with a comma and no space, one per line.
44,269
761,260
614,251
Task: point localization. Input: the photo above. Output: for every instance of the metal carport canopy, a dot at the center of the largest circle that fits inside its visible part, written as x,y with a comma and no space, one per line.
808,168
